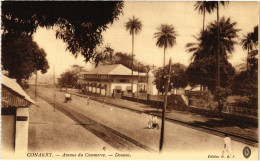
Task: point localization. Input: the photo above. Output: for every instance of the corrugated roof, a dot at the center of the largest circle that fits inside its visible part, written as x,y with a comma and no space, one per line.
14,86
116,69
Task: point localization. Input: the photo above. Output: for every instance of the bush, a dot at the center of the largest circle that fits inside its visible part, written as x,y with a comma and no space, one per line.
220,96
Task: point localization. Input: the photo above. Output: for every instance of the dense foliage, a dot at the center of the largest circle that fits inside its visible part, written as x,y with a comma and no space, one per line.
21,57
109,57
202,69
80,24
68,79
178,77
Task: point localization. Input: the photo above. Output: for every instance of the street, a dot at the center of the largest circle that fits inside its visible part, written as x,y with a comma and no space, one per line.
129,130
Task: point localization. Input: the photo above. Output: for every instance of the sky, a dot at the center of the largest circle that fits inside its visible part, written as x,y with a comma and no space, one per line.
181,15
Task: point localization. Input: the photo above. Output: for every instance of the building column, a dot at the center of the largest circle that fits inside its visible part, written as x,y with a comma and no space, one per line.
21,134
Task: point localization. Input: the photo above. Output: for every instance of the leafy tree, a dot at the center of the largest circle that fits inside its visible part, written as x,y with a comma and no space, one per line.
80,24
134,26
204,72
126,60
246,82
245,85
178,77
77,69
21,57
103,55
68,79
220,96
166,37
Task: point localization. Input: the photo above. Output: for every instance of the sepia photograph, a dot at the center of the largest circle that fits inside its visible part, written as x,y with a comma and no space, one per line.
129,80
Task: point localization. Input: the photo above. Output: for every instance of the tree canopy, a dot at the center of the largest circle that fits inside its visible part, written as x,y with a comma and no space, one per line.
178,77
68,79
126,60
166,37
21,56
134,25
80,24
202,70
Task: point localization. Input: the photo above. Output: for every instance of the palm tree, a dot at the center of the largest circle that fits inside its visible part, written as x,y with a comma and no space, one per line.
206,45
166,37
203,7
247,44
216,5
200,47
134,26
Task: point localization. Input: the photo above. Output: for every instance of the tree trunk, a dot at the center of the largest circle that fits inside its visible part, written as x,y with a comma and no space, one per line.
132,83
247,65
218,50
164,107
35,94
203,21
164,57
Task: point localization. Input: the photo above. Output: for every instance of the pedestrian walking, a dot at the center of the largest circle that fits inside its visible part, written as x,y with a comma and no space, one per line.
227,146
87,100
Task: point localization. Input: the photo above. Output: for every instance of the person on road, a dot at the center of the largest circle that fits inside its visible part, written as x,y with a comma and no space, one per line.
227,146
153,122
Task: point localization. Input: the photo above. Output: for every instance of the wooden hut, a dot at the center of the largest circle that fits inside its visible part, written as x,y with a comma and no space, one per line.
14,118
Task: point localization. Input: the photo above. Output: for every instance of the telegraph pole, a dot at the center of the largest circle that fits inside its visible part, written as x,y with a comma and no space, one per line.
35,94
137,83
54,88
164,106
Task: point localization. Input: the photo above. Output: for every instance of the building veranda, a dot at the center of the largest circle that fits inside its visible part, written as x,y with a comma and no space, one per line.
110,80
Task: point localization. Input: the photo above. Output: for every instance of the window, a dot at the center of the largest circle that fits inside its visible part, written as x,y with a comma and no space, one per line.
122,80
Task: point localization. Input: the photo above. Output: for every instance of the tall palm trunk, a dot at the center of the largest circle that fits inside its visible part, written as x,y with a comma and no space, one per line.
218,49
164,56
203,20
36,77
247,59
247,64
164,106
132,83
201,86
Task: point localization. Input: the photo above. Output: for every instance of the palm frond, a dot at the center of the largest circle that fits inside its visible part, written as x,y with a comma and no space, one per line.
134,25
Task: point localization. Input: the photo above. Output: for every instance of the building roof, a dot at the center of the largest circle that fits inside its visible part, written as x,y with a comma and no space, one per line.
15,87
116,69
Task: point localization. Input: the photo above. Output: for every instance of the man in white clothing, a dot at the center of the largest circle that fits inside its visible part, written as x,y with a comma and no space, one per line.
227,146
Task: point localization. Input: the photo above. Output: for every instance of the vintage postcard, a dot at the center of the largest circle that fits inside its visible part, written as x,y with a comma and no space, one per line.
129,80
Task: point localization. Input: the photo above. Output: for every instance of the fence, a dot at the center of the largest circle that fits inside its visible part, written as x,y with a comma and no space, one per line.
180,102
240,111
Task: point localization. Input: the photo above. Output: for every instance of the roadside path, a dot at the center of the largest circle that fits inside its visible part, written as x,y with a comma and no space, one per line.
184,117
52,131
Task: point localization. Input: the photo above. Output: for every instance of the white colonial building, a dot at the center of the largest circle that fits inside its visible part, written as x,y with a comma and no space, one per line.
110,79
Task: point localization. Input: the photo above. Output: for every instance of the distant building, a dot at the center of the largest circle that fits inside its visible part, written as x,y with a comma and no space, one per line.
110,79
15,118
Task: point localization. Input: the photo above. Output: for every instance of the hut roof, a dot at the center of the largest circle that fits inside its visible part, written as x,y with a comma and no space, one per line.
12,85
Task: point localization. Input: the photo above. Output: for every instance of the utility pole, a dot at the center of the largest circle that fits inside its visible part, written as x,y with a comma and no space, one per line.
137,83
54,88
218,50
165,105
132,83
35,94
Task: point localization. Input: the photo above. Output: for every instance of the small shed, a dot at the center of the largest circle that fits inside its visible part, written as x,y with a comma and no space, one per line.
15,105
